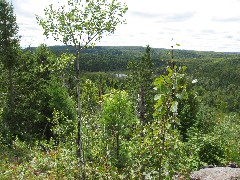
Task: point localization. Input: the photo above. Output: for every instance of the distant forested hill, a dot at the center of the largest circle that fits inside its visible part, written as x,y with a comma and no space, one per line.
116,58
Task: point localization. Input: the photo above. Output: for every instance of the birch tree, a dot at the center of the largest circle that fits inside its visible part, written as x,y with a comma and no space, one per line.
81,23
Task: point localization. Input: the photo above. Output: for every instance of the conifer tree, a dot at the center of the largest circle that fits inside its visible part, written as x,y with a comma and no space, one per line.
140,82
9,46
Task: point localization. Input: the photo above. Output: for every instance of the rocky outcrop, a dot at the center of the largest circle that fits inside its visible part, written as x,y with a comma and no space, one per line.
216,173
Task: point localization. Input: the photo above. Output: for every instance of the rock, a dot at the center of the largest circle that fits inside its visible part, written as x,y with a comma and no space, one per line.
219,173
232,165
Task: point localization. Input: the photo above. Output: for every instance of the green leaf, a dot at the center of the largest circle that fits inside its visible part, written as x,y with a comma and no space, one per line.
168,126
157,97
174,106
179,96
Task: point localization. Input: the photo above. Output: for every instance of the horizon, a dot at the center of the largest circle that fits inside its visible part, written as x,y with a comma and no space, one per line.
199,26
90,47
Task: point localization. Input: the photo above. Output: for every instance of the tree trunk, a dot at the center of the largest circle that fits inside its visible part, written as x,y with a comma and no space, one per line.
11,89
79,138
142,106
118,150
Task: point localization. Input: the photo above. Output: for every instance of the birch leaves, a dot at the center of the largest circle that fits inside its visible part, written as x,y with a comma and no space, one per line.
82,21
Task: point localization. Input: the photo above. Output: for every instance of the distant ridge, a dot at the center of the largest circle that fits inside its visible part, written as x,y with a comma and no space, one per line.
178,53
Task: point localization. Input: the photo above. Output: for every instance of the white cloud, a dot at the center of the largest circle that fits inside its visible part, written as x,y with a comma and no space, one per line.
199,24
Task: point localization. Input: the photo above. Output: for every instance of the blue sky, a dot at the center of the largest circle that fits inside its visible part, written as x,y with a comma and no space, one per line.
206,25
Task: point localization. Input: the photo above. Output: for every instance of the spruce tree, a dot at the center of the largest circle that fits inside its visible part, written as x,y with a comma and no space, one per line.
9,47
140,82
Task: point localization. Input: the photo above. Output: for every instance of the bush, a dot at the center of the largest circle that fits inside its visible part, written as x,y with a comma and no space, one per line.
228,132
204,149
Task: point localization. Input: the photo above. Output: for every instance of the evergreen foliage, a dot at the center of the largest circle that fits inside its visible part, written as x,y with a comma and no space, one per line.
140,85
9,49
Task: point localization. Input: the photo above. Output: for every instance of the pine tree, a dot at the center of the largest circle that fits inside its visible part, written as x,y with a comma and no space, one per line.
140,82
9,46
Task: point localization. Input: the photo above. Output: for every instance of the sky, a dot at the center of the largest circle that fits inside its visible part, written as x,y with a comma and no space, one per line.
203,25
